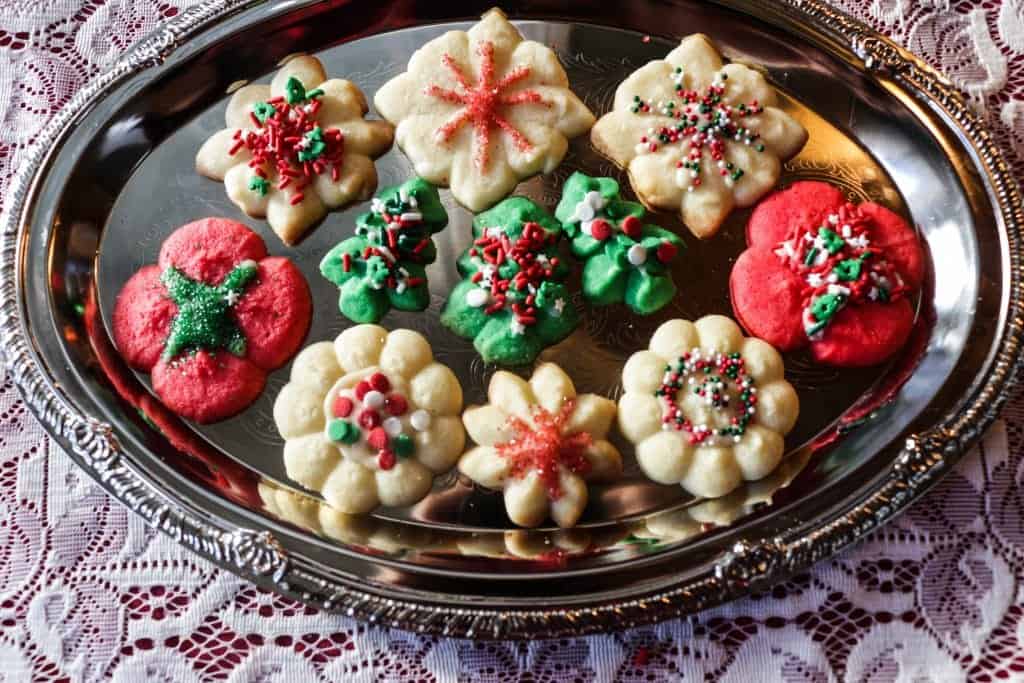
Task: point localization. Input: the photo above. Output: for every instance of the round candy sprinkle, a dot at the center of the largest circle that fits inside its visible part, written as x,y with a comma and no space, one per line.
377,438
637,254
632,226
420,420
477,297
396,404
666,252
374,399
386,460
369,419
404,445
342,406
600,229
393,426
379,381
361,389
343,431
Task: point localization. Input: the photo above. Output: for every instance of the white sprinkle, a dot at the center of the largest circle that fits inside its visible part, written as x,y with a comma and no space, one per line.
373,399
477,297
247,264
517,327
411,217
393,426
231,298
637,254
559,305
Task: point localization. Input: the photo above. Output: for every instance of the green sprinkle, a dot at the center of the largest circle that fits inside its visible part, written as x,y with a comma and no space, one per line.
259,185
826,306
315,145
263,111
403,445
848,270
294,92
812,254
833,242
343,431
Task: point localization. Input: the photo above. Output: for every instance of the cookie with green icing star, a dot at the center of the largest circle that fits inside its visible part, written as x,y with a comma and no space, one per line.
625,260
512,301
212,318
384,265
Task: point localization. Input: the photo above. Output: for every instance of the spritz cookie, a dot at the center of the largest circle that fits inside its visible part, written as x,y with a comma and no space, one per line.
297,148
706,407
370,419
698,136
479,111
541,444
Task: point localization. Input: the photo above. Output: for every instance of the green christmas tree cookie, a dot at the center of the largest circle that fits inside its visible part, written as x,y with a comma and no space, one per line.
624,260
384,265
511,302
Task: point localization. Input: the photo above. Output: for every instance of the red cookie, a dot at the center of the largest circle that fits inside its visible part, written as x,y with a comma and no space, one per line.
823,272
212,319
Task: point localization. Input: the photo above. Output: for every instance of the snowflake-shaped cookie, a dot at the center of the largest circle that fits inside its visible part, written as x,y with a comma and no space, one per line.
698,136
706,407
297,148
479,111
370,419
541,443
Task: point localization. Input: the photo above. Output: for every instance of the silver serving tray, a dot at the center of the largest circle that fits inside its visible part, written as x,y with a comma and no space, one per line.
115,176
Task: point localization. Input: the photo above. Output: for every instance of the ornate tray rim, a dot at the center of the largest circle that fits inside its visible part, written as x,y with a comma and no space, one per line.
749,566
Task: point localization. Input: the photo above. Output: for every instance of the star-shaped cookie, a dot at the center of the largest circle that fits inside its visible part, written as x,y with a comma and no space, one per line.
297,148
479,111
698,136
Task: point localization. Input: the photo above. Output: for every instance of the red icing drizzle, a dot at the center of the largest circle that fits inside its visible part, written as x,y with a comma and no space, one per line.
480,102
277,142
544,448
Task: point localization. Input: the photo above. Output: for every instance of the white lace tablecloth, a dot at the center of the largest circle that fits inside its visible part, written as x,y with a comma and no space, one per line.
87,592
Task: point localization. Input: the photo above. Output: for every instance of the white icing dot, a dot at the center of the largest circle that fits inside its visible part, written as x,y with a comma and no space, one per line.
477,297
373,399
584,211
393,426
637,254
420,420
248,263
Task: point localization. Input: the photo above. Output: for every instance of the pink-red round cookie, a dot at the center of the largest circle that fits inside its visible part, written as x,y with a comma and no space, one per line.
261,304
822,272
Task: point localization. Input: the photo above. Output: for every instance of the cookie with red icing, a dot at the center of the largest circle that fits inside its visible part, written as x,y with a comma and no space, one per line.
823,272
212,318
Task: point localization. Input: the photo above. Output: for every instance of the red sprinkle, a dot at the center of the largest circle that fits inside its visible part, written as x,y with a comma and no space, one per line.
631,226
379,381
396,404
600,229
342,406
369,419
377,438
361,389
386,460
543,448
666,252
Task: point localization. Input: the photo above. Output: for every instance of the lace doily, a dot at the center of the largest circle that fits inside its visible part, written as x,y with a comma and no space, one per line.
87,592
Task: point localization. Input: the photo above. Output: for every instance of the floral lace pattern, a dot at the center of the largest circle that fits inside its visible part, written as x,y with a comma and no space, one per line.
88,592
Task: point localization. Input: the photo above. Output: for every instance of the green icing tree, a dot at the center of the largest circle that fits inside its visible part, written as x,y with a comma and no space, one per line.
511,302
384,265
625,261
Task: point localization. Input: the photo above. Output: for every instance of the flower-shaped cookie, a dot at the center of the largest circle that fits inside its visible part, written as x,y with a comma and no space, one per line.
384,265
706,407
482,110
370,419
511,302
541,443
212,319
297,148
625,260
823,272
697,136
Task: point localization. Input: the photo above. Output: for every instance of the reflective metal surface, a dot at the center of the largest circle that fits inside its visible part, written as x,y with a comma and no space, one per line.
119,177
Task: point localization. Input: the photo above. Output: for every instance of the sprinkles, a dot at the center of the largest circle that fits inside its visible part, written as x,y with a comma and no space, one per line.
703,123
379,416
493,250
288,144
840,268
543,447
720,381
